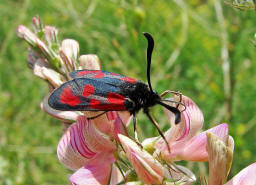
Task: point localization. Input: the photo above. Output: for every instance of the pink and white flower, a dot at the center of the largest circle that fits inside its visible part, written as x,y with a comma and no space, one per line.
244,177
183,139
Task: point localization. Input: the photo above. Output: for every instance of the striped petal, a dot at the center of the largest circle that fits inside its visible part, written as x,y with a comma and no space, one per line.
67,151
80,144
191,122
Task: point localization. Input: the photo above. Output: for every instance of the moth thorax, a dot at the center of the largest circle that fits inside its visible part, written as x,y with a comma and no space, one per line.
142,97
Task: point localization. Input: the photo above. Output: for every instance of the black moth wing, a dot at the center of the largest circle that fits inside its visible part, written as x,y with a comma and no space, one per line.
93,90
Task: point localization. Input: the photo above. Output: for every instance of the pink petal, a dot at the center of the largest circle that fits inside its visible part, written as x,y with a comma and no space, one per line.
111,115
66,116
195,148
125,117
38,66
105,123
245,177
119,128
102,123
193,118
52,76
80,144
148,169
69,48
96,140
26,34
143,170
191,121
116,176
72,152
97,172
42,70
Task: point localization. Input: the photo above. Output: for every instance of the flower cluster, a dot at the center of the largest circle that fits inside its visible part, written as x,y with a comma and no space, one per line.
242,4
100,151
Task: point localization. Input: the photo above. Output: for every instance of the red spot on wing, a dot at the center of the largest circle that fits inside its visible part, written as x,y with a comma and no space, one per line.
99,75
67,97
94,103
88,90
114,102
128,79
114,74
115,98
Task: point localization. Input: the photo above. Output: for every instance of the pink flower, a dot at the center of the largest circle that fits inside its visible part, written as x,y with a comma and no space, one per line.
96,172
149,170
182,138
245,177
90,151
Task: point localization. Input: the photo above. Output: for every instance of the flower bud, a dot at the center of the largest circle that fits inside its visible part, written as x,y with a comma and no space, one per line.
51,36
220,159
68,52
90,62
27,35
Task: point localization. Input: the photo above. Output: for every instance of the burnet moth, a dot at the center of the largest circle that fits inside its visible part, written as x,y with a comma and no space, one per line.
96,90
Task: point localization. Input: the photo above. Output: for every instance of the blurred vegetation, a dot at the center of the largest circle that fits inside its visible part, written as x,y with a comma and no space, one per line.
189,45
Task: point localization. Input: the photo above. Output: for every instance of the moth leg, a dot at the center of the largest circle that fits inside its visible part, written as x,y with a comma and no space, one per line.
100,114
173,101
158,128
135,129
178,93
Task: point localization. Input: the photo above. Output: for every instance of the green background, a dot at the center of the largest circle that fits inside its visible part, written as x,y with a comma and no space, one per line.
113,30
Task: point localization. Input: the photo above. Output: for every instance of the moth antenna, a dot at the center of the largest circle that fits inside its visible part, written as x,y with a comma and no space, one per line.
149,54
